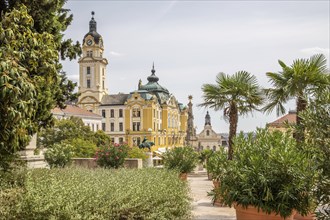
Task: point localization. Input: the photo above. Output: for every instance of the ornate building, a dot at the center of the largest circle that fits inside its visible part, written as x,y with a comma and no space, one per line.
208,138
151,111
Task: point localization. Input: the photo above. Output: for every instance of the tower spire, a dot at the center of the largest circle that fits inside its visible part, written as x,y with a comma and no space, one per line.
92,23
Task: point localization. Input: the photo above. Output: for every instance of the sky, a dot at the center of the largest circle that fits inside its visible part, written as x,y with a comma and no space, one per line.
190,42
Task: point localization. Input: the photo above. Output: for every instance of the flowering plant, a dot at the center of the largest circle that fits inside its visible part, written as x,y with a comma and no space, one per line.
111,156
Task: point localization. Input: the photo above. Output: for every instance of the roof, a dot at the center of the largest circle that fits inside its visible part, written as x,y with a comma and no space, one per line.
118,99
72,110
154,88
288,118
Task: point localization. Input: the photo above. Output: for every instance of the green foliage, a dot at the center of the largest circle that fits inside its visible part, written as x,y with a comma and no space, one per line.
204,155
182,159
101,138
59,155
102,194
237,94
316,120
82,148
136,152
64,130
111,156
303,79
73,131
217,163
50,17
27,63
270,173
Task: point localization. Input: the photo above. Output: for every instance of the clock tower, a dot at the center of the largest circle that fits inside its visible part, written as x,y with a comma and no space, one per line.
92,70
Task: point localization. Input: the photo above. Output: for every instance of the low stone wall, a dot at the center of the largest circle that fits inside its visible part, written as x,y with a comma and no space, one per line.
131,163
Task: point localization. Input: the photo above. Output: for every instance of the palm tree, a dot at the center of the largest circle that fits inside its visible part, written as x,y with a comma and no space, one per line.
236,94
305,77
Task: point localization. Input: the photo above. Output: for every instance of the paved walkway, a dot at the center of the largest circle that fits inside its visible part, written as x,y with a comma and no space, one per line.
202,206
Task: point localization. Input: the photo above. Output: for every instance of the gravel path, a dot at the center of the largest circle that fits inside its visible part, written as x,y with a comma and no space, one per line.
202,206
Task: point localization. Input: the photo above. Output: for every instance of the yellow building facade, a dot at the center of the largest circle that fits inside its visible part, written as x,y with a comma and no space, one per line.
150,112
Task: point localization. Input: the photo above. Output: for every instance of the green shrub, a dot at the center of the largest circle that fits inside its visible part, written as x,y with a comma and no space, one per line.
59,155
82,148
111,156
104,194
135,152
269,172
183,159
217,162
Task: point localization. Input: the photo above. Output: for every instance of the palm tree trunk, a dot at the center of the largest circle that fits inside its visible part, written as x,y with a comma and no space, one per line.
299,134
233,118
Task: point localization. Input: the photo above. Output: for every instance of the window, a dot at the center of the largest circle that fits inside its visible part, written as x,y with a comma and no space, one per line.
120,113
103,84
102,68
136,141
207,132
214,148
103,113
136,112
112,140
93,127
121,140
90,110
121,126
89,53
112,126
100,54
97,127
88,70
103,126
88,83
112,113
136,126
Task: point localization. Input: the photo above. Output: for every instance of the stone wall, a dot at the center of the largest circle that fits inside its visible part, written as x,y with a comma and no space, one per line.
131,163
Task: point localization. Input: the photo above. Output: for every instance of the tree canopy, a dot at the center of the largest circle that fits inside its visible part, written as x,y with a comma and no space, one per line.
234,94
31,39
303,79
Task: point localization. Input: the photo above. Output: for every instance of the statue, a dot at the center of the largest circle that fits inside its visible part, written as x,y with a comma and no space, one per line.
146,144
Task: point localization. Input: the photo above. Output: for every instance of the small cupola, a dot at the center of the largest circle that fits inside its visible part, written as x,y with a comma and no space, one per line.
153,77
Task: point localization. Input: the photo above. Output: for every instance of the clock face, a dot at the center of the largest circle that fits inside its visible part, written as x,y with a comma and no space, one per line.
89,42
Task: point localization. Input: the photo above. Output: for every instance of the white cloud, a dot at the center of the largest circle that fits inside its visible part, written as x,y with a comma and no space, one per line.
315,50
116,54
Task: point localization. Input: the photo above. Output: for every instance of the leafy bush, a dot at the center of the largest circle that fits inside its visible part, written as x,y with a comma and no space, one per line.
103,194
111,156
183,159
82,148
269,172
217,162
135,152
59,155
204,155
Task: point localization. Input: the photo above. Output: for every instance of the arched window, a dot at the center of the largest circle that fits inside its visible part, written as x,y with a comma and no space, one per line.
214,148
207,132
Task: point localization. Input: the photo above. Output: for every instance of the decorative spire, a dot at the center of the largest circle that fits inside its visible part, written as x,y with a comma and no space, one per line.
153,69
153,77
92,23
207,119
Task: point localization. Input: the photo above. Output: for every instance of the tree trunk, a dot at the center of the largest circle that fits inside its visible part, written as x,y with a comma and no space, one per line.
233,118
299,134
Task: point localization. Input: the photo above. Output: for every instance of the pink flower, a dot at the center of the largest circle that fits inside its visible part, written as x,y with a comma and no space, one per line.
117,158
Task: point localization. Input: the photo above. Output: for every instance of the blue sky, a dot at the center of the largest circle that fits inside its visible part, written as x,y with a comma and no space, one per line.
191,41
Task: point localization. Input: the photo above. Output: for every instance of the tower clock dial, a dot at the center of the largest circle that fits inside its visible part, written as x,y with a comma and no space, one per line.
89,42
